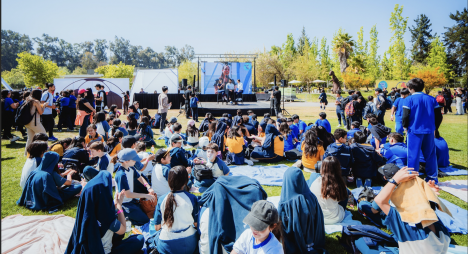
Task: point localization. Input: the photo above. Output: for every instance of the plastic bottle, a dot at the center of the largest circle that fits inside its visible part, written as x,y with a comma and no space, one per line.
152,149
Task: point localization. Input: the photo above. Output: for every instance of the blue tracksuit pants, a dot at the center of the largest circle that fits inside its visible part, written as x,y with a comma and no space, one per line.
399,125
423,143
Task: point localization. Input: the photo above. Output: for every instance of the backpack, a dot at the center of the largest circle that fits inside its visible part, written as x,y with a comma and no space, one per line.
200,171
366,194
142,132
23,114
383,103
373,237
344,102
349,109
193,102
440,99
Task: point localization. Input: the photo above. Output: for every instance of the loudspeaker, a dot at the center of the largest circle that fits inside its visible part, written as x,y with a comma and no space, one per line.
194,80
184,83
283,83
275,81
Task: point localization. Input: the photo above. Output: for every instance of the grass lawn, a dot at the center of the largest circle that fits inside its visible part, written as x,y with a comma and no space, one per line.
453,129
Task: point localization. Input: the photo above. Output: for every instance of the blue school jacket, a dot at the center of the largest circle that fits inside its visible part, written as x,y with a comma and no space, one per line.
421,118
344,155
178,158
396,154
366,160
294,130
351,133
442,151
324,123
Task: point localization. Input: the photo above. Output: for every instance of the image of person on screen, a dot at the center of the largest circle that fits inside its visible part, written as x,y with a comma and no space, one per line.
226,70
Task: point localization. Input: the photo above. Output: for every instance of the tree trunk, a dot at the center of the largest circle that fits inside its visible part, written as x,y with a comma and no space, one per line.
343,62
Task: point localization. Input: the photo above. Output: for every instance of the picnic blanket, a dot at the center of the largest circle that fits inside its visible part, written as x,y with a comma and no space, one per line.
456,224
36,234
265,175
458,188
451,171
456,249
329,229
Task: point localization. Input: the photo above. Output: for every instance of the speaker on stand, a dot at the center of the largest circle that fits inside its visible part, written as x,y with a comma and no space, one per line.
283,84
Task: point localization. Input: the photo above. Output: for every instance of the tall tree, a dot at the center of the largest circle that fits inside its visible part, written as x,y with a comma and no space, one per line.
13,43
187,53
47,47
343,46
120,49
399,63
373,61
421,38
100,47
87,46
438,58
325,61
456,39
288,51
172,55
302,41
89,61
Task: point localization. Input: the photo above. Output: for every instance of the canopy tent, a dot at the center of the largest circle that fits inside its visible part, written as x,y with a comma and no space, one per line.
151,80
5,84
294,82
319,81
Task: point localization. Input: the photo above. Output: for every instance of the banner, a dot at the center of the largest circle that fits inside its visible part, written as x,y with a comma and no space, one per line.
212,73
389,84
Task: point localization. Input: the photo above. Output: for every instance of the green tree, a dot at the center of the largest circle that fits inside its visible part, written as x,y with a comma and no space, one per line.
14,77
87,46
438,58
89,61
342,45
398,62
421,38
325,61
79,71
306,68
37,71
186,70
385,66
268,65
120,49
62,71
456,39
100,47
302,41
288,51
373,61
13,43
120,70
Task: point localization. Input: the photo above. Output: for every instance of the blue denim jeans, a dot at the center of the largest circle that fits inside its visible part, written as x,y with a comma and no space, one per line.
340,114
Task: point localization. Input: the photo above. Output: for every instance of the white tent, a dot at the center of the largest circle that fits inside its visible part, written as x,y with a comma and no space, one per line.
151,80
5,84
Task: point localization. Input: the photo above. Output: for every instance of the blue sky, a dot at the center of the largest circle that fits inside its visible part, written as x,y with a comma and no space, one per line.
215,26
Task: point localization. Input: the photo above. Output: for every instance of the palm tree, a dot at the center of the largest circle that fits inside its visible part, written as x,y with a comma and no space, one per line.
357,63
343,46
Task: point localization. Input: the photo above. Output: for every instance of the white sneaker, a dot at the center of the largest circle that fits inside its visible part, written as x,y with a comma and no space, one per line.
15,138
249,162
253,160
339,125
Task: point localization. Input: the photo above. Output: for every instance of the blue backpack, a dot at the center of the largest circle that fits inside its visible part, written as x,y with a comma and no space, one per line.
373,237
193,102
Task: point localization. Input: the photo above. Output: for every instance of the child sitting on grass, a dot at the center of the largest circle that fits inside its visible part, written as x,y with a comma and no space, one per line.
235,143
217,166
340,150
323,121
104,161
92,134
161,172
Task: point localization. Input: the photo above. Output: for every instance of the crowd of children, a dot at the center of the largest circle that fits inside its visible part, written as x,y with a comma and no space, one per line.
197,161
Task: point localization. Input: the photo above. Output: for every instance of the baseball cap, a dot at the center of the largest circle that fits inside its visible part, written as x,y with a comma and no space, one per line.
81,91
128,141
262,215
203,142
176,138
191,122
388,170
128,154
161,154
378,90
173,119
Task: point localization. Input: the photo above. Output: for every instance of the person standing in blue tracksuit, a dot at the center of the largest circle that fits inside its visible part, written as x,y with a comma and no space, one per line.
397,110
421,117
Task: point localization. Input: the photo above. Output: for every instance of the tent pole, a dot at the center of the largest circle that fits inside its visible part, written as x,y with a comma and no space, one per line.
198,75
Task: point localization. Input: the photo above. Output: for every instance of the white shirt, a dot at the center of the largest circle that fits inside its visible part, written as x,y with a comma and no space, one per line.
230,86
168,132
246,241
28,167
240,87
217,172
158,182
149,168
101,95
204,243
182,218
332,211
192,139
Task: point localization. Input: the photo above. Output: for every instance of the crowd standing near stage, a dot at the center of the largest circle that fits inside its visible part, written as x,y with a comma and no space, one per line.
232,214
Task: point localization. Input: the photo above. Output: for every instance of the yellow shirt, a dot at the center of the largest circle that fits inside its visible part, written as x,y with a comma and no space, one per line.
87,139
116,150
58,148
279,146
235,144
309,162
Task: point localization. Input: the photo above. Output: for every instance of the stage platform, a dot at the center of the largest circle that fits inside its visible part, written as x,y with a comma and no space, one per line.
259,108
150,101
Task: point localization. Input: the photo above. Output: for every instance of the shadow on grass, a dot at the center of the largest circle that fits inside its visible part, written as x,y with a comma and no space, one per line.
7,158
15,145
458,166
455,150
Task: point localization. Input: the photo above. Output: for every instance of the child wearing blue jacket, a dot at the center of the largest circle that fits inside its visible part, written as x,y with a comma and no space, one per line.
354,128
395,151
323,122
366,160
343,152
442,151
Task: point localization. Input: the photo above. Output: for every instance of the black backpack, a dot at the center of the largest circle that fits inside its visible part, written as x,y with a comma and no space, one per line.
344,102
23,115
200,171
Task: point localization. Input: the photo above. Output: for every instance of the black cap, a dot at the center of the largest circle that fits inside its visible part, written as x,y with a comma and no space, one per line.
161,154
262,215
173,119
388,170
128,141
378,90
